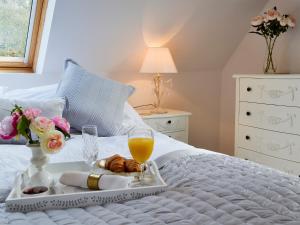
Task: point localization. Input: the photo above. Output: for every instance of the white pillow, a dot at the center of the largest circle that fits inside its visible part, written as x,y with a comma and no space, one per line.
49,107
131,119
40,92
2,90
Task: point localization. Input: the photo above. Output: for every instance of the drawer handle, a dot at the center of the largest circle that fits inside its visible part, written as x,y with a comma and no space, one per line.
275,93
247,137
169,121
249,89
248,113
274,120
246,159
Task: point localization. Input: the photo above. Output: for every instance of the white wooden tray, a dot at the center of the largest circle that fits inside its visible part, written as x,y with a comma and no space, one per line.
61,196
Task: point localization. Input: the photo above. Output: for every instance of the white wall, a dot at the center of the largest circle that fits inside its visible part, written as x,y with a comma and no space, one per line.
111,36
248,59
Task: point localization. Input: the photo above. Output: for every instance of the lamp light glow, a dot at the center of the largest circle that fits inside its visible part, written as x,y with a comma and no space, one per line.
159,61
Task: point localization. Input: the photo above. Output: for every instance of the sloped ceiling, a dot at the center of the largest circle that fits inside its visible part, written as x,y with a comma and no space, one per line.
213,33
113,35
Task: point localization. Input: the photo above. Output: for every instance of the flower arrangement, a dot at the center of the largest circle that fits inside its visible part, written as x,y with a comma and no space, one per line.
49,133
270,26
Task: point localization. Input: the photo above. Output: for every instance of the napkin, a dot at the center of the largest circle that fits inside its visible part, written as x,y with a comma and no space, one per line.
106,182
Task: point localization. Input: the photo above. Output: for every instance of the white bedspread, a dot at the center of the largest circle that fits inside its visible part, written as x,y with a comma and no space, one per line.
14,158
204,189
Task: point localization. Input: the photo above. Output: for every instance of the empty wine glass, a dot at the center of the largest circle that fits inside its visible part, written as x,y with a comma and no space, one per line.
90,149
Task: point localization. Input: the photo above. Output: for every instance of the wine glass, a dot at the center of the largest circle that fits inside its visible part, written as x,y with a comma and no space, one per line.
90,151
140,143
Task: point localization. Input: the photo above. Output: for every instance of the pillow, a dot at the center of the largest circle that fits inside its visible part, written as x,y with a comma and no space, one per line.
49,107
40,92
131,120
92,99
2,90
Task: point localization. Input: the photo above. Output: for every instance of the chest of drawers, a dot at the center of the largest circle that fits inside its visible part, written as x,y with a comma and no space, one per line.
267,120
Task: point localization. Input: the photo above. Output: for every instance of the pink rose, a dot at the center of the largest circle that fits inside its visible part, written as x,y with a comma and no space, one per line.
32,113
52,141
62,124
258,20
291,21
8,127
41,125
272,14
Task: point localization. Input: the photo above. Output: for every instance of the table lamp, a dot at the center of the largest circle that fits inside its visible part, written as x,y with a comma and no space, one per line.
158,61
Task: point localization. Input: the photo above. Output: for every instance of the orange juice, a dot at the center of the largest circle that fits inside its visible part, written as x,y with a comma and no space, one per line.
141,148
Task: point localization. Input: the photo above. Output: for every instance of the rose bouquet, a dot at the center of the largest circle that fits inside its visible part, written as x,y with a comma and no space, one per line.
49,133
270,26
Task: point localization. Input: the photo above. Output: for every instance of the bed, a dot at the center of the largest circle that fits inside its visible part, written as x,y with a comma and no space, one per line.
204,188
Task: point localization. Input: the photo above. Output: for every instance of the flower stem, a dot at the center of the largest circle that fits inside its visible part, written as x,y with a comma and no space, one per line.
270,62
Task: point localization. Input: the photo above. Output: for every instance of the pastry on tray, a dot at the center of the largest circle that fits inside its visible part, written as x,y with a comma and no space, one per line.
118,164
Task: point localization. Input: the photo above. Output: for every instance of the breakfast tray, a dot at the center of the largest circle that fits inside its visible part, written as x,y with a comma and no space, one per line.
61,196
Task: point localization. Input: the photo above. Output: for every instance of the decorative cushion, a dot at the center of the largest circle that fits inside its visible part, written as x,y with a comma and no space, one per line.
92,99
49,107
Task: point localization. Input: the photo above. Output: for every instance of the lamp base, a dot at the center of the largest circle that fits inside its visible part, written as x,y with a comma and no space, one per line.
159,111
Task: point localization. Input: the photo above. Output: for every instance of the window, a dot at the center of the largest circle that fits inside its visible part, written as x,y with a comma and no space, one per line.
21,23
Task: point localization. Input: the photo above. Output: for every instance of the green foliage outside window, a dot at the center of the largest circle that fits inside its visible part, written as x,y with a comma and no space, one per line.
14,23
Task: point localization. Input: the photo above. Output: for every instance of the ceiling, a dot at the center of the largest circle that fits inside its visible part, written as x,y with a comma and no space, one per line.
113,35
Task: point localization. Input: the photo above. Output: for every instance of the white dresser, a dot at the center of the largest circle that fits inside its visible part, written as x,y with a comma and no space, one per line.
267,120
174,123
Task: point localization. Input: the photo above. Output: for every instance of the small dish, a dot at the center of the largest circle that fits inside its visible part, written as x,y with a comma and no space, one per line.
35,191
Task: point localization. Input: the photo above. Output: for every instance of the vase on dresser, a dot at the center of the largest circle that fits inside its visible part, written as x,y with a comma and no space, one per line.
271,25
39,176
270,66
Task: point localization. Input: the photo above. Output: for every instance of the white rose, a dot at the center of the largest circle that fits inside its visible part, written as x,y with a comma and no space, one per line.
283,21
258,20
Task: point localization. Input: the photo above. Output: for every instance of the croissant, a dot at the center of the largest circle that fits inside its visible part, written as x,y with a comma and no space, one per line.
117,163
132,166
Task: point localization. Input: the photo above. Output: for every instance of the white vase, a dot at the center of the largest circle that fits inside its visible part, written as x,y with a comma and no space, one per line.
39,159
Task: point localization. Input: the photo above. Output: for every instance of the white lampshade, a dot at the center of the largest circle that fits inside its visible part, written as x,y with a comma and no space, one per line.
158,60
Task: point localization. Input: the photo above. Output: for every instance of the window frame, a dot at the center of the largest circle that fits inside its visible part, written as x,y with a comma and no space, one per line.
34,43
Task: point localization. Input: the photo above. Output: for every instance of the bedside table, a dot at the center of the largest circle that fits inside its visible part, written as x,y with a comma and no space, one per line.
174,123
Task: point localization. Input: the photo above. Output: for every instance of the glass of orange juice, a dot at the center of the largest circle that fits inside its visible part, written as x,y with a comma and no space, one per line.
140,143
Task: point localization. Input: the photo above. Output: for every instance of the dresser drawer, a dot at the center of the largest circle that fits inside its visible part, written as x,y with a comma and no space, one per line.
279,145
168,124
280,164
276,118
178,135
270,91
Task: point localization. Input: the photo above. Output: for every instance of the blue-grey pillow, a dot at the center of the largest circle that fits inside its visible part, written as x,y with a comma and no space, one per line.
92,99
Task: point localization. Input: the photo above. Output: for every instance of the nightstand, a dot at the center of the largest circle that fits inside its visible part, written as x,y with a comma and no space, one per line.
174,123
